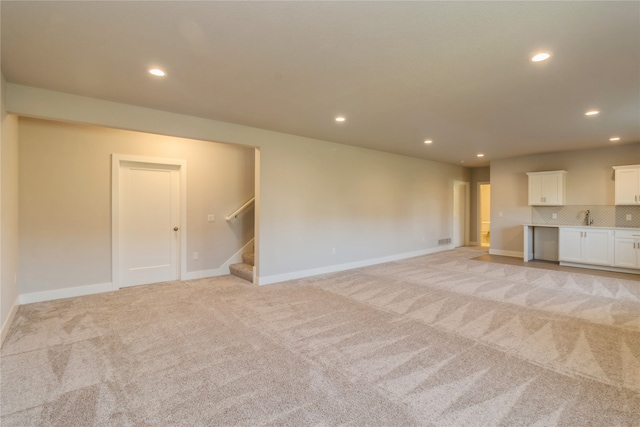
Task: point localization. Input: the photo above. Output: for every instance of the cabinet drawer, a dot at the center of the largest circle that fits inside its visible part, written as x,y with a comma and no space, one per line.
632,234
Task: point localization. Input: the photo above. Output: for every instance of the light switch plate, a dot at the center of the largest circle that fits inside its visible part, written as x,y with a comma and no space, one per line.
211,218
628,217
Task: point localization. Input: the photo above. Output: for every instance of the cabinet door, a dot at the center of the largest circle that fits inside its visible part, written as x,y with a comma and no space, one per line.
552,189
627,186
626,252
546,188
597,247
535,190
571,244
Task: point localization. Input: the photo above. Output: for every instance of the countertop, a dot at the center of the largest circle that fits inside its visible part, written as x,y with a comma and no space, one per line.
580,226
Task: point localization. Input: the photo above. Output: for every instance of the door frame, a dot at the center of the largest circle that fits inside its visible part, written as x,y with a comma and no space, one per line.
465,213
117,161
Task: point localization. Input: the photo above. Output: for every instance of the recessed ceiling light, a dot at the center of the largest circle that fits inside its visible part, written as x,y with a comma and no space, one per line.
340,119
592,113
461,161
615,138
540,56
157,72
480,155
428,141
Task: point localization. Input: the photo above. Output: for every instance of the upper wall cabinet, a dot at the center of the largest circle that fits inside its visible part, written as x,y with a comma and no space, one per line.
627,185
547,188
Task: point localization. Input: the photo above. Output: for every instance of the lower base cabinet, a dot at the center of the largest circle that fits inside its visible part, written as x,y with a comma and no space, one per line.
627,249
587,246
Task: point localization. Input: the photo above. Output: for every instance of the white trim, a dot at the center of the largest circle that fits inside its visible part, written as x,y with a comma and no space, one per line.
277,278
9,321
256,217
116,160
515,254
222,270
76,291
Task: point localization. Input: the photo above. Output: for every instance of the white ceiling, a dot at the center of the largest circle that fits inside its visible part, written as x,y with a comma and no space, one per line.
401,72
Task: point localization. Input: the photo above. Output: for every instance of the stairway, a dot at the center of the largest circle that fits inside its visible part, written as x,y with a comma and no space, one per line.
244,270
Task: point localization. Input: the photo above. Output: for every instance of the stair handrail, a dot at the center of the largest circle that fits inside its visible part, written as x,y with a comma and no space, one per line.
241,209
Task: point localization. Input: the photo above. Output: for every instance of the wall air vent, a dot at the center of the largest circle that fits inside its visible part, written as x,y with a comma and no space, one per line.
444,241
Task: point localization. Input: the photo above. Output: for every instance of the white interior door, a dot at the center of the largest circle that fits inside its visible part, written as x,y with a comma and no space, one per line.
149,223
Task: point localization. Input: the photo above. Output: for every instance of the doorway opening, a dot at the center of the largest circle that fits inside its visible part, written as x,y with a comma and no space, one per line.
484,214
460,235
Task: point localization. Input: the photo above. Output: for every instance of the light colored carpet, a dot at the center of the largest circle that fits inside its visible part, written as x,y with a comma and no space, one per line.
438,340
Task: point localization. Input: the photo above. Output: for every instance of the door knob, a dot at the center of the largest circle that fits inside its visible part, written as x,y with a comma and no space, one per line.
175,228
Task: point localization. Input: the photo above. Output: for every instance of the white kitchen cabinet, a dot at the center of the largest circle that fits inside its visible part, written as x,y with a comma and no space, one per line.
547,188
627,186
627,249
586,245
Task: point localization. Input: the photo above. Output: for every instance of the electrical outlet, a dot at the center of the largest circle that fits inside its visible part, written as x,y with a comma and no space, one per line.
628,217
211,218
333,251
554,215
195,255
500,214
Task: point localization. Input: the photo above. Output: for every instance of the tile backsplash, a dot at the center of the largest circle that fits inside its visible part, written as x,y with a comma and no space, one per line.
603,216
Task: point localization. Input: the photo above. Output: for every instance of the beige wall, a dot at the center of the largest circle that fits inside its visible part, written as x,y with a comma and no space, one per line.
365,204
589,181
315,195
8,214
65,200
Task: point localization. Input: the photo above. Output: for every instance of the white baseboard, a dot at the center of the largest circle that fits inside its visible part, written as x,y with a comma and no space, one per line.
108,287
277,278
515,254
474,244
222,270
65,293
9,321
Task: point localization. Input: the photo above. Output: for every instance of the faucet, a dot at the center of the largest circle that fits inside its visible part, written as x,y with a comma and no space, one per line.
587,218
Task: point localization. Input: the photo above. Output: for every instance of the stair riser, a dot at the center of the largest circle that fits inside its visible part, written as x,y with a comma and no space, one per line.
248,258
243,271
